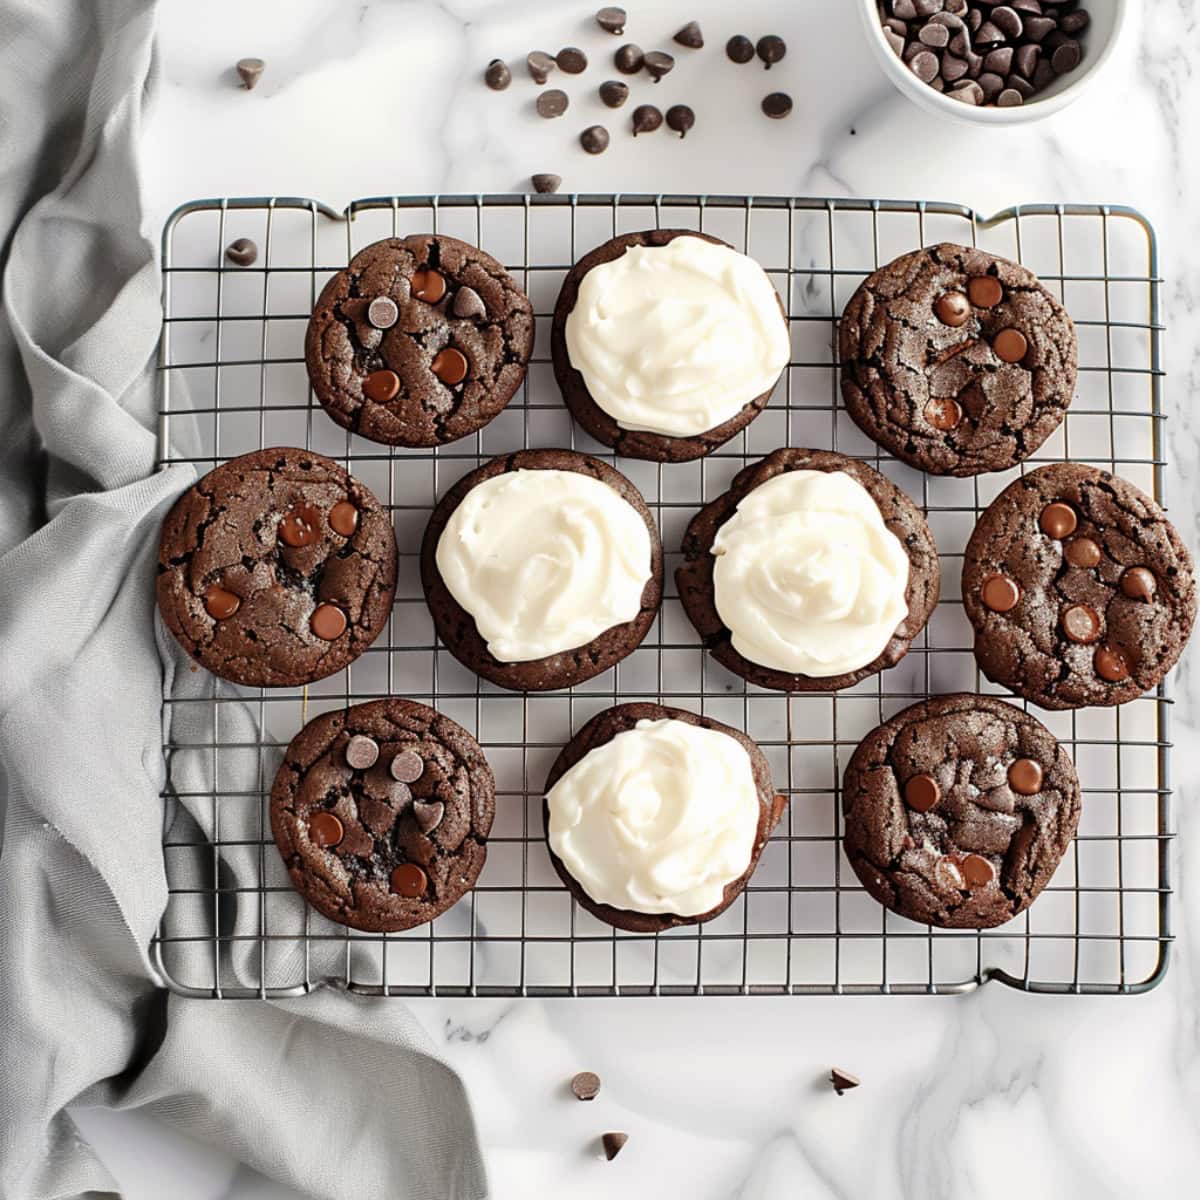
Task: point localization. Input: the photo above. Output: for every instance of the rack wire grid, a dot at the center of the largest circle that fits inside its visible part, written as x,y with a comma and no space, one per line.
233,379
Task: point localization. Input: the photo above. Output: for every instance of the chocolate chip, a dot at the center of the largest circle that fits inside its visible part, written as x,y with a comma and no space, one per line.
540,65
428,814
362,752
921,793
328,622
646,119
428,285
1081,623
594,139
614,93
948,874
250,70
1058,520
628,59
449,365
324,829
468,304
409,881
1020,85
985,291
343,518
988,35
658,63
770,49
1007,20
1025,59
546,183
680,118
612,1143
1000,593
690,36
924,65
953,68
967,91
843,1081
1082,552
381,386
1009,98
906,10
739,49
382,312
1010,345
406,767
777,105
943,412
220,603
300,526
1066,57
937,37
611,20
1110,664
572,60
1025,776
586,1085
242,253
977,871
1043,75
497,76
1037,28
999,61
953,309
1138,583
999,799
1074,22
552,103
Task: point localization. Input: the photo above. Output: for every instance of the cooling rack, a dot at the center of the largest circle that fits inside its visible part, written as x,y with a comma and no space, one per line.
233,379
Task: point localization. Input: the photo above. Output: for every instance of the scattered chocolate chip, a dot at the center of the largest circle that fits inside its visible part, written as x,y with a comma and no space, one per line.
680,118
300,526
381,386
571,60
428,285
628,59
362,752
409,881
1010,345
428,814
242,253
1058,520
658,63
843,1081
770,49
468,304
250,70
328,622
614,93
586,1085
953,309
977,871
921,793
739,49
690,36
406,767
999,593
611,20
544,184
1082,552
1138,583
612,1143
449,365
382,312
343,518
646,119
1081,623
540,65
985,291
551,103
594,139
497,76
777,105
1025,777
324,829
944,413
220,603
1110,664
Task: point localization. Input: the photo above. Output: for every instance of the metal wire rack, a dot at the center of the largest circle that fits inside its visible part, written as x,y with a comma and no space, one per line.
233,379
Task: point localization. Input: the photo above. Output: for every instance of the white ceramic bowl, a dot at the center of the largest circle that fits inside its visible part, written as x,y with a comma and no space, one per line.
1099,40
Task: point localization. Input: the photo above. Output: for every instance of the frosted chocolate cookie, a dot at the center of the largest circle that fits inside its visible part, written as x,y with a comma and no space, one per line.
958,811
812,572
956,361
656,817
276,569
382,813
419,341
1080,590
666,343
542,568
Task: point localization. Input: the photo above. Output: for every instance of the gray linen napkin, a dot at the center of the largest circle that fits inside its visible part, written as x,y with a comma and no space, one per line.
81,675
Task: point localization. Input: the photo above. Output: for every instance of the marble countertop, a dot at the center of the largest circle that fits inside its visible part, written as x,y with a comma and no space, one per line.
725,1097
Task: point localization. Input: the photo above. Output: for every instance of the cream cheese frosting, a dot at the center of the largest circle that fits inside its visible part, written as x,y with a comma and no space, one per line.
807,577
679,338
660,819
544,561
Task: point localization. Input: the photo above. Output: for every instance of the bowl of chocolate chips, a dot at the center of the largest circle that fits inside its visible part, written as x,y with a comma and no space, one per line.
991,62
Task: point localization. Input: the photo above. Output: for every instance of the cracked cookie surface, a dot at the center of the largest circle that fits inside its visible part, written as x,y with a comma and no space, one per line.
436,360
396,840
276,569
956,361
456,627
1080,589
958,811
694,576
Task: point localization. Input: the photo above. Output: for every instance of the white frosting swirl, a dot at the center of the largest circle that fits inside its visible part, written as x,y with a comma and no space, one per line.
677,339
544,561
807,577
659,819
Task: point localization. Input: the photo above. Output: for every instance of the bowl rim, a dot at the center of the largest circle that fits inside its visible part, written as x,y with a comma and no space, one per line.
937,101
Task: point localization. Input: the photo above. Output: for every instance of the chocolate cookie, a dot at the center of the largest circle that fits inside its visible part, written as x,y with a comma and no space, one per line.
640,443
600,730
564,668
382,813
276,569
419,341
956,361
958,811
695,575
1080,590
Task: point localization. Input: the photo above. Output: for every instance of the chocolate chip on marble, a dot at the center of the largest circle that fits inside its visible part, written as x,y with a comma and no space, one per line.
428,814
777,105
613,1144
771,49
406,767
382,312
739,49
242,253
250,71
611,20
468,304
690,36
614,93
628,59
843,1081
362,752
646,119
497,76
594,139
680,118
544,183
551,103
540,64
658,63
571,60
586,1085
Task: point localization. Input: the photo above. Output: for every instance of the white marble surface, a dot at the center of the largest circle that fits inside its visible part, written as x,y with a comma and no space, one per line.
991,1095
